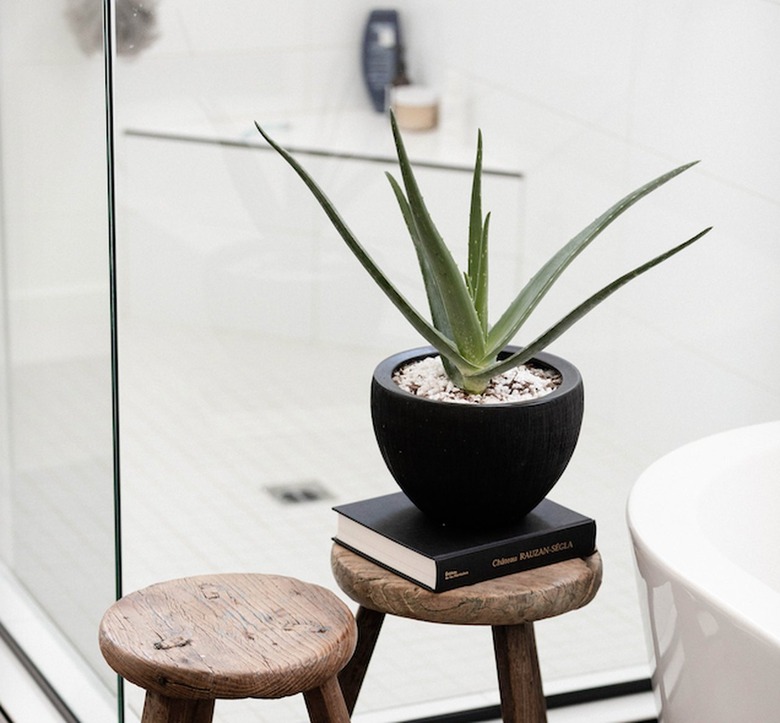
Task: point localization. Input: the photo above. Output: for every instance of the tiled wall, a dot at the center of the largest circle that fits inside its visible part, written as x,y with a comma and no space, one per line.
605,96
589,100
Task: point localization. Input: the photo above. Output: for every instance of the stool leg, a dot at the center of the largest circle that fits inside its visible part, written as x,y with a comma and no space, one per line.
159,709
326,704
519,680
369,623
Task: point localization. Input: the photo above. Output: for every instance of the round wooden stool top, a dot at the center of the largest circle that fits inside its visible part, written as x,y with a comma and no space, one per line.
228,636
510,600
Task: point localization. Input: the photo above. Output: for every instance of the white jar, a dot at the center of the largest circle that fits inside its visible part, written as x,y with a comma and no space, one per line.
416,107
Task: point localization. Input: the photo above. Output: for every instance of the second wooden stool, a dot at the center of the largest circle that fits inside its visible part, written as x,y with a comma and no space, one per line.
508,604
191,641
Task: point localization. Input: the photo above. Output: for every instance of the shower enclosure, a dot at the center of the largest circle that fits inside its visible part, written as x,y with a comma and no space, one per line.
57,538
187,346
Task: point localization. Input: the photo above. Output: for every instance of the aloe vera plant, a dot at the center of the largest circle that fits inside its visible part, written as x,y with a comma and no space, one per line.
459,328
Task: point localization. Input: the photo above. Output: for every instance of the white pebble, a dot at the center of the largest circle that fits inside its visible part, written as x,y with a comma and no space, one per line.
426,378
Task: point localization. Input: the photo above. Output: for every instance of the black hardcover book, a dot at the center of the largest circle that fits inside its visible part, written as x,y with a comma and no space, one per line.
392,532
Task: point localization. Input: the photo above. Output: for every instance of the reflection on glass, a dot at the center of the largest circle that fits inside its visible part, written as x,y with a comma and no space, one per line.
57,488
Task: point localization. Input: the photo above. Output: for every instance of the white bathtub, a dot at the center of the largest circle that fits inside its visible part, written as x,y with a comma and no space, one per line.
705,523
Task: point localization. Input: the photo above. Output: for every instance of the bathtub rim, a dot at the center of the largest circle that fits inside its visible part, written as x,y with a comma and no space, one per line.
748,601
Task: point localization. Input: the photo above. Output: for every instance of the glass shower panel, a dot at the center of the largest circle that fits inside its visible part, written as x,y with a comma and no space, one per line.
248,338
248,334
57,489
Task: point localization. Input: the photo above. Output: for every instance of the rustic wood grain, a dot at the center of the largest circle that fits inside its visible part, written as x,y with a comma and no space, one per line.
228,636
159,709
508,604
369,624
519,679
520,598
326,704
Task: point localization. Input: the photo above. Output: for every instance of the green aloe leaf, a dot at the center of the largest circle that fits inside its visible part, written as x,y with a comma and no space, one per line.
478,244
535,290
438,311
458,301
435,302
545,339
450,286
432,335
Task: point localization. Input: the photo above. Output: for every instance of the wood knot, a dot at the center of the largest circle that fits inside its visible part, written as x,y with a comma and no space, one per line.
305,628
179,641
210,592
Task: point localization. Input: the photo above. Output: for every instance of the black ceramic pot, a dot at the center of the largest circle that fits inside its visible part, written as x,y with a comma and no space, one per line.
476,466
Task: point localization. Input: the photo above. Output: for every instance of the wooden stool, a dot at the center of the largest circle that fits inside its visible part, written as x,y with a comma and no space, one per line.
508,604
191,641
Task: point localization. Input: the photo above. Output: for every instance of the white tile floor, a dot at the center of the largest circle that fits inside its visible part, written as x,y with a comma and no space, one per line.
210,421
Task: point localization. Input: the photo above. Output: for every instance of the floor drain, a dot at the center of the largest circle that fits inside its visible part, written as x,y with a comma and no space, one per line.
297,492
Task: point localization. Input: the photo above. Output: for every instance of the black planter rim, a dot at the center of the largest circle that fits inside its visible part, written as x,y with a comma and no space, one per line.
570,376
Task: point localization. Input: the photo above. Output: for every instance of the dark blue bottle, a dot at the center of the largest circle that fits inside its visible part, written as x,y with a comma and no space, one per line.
381,54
